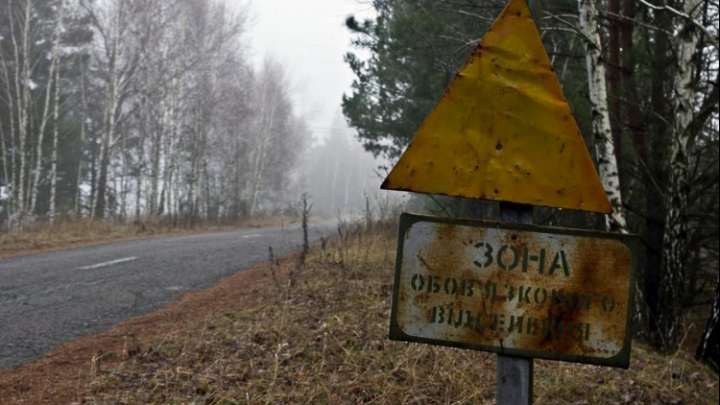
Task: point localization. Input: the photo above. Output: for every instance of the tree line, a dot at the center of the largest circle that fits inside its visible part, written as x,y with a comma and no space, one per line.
641,77
126,109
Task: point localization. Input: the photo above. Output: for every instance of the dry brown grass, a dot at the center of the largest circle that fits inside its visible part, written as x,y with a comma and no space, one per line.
68,234
324,341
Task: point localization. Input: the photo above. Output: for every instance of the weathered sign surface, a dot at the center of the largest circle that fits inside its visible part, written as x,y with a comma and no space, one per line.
503,130
540,292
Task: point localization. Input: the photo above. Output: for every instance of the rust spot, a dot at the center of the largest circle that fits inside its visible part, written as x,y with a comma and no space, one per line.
422,298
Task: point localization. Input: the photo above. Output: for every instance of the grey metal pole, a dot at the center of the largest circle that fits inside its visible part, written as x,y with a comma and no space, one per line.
515,374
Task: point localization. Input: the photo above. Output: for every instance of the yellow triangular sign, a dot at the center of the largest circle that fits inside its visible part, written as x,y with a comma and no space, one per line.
503,129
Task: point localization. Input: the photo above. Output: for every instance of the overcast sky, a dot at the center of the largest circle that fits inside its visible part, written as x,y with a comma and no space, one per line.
309,38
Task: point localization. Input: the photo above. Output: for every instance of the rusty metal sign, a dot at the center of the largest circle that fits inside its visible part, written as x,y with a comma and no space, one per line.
503,129
551,293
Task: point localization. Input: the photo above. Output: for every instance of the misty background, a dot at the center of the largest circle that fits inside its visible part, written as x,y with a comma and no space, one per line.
199,110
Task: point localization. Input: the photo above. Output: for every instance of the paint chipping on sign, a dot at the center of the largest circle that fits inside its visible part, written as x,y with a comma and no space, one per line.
536,292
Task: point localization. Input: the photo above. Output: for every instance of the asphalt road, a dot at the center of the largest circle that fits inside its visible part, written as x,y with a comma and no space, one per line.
53,298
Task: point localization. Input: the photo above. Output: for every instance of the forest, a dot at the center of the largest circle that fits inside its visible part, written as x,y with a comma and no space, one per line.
120,110
641,77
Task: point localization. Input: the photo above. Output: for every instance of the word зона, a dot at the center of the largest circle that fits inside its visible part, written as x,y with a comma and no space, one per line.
509,257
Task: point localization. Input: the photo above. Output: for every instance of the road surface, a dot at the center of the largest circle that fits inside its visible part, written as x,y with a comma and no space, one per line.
53,298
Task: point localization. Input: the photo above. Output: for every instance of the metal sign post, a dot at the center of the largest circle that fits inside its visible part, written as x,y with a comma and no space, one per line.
515,374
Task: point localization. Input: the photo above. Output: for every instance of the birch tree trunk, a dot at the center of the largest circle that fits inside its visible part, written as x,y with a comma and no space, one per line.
602,132
170,150
22,92
206,184
170,155
78,181
613,7
46,112
54,156
56,114
197,152
257,175
156,147
3,156
266,121
108,141
104,158
675,232
124,180
13,145
142,128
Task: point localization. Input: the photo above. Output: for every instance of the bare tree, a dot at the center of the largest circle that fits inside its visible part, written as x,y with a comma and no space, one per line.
56,114
119,51
45,117
163,108
21,54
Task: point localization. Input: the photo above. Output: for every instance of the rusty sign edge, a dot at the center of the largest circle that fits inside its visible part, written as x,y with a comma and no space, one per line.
619,360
